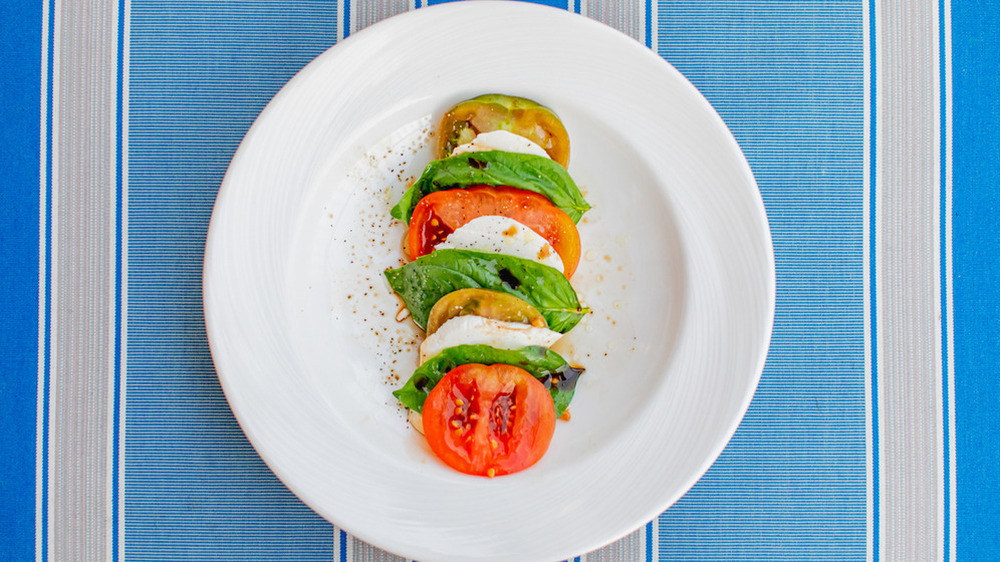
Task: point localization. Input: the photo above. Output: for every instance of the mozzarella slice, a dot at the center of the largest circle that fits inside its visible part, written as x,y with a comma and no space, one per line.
502,235
501,140
477,330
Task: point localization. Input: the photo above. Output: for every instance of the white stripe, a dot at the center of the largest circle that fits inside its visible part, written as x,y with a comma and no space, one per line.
352,15
81,283
949,275
337,547
655,539
53,270
938,291
111,492
341,10
908,299
43,175
644,24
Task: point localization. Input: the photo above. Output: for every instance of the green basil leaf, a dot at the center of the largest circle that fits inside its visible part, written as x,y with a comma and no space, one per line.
543,363
423,281
496,167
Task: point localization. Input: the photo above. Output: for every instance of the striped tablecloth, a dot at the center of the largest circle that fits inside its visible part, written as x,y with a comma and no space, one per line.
872,129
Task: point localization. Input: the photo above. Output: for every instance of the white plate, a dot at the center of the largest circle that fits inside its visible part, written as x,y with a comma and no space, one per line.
678,268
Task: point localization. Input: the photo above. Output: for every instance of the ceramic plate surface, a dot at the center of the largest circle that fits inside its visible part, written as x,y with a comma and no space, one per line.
307,337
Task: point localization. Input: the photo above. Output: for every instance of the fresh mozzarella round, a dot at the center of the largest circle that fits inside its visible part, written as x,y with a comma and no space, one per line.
416,420
501,140
502,235
477,330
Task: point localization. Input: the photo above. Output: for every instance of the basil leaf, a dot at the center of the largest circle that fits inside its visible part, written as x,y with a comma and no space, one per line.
496,167
543,364
422,282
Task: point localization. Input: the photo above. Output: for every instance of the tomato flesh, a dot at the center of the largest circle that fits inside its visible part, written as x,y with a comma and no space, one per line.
440,213
489,420
484,303
493,112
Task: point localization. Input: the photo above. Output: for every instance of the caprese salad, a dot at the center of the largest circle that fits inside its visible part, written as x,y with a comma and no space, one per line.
490,248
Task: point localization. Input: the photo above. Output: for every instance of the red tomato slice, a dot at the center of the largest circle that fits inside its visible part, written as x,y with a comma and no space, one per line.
489,420
440,213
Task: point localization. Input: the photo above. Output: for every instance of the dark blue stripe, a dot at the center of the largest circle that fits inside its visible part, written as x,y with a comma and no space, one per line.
648,11
20,59
945,313
343,546
347,17
976,269
873,270
649,542
119,289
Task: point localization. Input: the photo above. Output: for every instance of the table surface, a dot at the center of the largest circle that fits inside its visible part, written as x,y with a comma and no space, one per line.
871,128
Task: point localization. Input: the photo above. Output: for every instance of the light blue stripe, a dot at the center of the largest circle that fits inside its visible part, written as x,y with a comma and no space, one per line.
200,72
788,79
791,486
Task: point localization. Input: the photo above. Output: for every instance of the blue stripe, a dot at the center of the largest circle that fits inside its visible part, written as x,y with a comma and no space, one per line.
789,81
648,15
120,211
200,72
873,272
649,542
976,269
343,545
347,17
20,59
